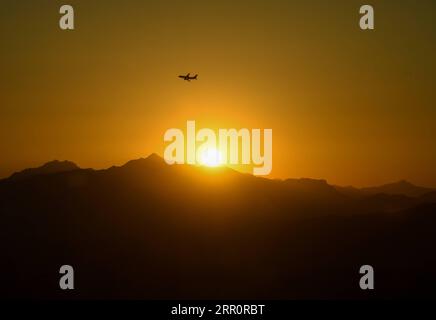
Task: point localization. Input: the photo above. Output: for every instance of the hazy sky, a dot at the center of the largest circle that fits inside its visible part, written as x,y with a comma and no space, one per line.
350,106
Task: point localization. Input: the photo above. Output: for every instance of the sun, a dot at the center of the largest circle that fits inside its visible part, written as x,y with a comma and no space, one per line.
210,157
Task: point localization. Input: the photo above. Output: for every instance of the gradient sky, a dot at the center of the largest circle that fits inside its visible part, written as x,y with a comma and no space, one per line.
350,106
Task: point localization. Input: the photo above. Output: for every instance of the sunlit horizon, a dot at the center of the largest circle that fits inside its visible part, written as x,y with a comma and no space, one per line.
348,106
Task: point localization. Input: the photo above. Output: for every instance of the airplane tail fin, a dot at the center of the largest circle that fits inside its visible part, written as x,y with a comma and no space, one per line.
195,77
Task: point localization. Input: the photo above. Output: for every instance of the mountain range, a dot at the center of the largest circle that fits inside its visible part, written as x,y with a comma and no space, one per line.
401,187
147,230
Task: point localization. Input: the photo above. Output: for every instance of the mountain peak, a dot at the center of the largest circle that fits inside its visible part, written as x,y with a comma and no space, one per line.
50,167
404,183
154,157
152,160
57,164
403,187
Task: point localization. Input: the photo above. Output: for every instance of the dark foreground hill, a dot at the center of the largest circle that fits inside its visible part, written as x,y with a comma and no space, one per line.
147,230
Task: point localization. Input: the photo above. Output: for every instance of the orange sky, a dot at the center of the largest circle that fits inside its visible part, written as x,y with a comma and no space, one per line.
350,106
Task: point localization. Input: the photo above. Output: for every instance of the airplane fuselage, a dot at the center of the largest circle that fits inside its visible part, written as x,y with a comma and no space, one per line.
188,77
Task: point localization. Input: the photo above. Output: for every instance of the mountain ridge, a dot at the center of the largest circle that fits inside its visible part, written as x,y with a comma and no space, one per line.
401,187
51,167
150,230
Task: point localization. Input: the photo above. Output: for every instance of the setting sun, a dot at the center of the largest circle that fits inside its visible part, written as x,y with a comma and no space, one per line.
210,157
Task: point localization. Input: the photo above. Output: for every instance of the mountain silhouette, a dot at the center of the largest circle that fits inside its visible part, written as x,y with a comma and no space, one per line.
147,230
55,166
401,187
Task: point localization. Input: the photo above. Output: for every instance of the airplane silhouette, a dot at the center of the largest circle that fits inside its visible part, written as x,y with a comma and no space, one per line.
188,77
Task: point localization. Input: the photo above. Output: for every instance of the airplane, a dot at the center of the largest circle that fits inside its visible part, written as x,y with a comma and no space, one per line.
188,77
